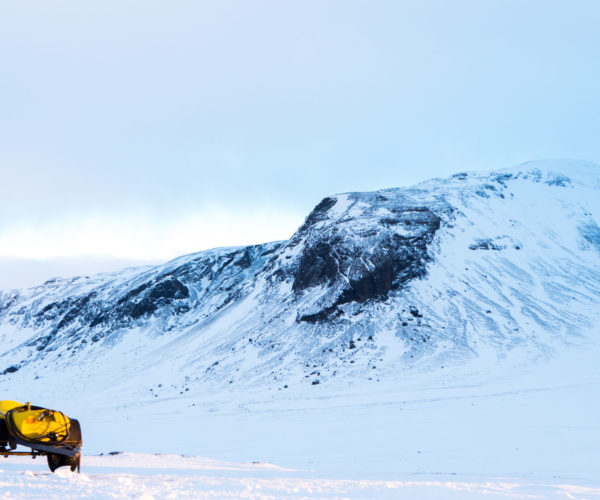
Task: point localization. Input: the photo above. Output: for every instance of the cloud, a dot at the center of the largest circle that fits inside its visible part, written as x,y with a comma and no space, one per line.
137,236
124,124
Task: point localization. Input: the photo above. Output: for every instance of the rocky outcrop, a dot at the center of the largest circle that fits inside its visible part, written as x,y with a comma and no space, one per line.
365,265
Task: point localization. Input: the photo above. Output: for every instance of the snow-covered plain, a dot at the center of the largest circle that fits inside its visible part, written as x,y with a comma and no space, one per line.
471,433
489,389
137,476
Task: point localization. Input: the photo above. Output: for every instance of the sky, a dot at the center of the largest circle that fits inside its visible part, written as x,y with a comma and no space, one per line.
137,131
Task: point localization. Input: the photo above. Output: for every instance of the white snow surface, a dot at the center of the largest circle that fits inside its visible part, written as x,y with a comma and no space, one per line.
490,390
485,434
147,477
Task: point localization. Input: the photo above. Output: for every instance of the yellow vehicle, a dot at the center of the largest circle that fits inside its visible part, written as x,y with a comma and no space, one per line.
46,432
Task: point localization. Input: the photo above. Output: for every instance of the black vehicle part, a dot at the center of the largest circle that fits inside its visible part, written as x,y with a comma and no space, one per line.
55,461
72,443
4,435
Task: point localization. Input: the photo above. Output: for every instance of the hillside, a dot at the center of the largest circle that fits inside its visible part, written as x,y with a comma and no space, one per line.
481,266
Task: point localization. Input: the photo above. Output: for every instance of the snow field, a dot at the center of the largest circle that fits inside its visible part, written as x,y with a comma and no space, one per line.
471,432
148,477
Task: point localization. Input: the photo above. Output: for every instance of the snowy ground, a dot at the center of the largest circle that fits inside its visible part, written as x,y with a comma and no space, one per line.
529,432
169,476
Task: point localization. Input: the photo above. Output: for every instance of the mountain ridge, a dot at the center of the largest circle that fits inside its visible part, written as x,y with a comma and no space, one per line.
500,264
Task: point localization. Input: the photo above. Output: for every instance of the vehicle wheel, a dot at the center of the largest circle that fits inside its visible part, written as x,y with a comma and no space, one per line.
73,440
74,462
54,461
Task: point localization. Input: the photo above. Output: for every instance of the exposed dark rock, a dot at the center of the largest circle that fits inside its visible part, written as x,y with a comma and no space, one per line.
322,315
363,265
246,259
169,289
211,275
76,310
485,244
147,298
415,312
141,308
559,180
462,176
319,212
133,293
502,178
98,320
318,264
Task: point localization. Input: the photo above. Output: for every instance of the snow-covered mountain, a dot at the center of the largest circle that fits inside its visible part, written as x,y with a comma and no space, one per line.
479,266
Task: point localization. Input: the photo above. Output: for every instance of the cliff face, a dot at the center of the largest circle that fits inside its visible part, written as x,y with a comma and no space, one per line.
376,244
477,265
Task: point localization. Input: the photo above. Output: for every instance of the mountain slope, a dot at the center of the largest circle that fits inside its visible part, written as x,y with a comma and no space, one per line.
479,266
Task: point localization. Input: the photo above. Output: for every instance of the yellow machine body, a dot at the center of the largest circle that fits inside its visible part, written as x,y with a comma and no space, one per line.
6,406
34,423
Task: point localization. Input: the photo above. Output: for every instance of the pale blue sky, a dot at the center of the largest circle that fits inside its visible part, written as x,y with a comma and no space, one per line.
145,129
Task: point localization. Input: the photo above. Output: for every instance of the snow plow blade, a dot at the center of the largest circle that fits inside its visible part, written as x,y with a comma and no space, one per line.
44,431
